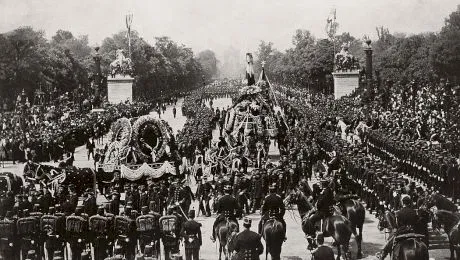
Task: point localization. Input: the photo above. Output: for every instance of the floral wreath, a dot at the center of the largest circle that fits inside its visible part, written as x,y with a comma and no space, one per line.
122,128
112,153
161,130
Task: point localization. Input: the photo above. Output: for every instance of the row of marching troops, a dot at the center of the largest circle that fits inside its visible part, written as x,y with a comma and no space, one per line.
54,233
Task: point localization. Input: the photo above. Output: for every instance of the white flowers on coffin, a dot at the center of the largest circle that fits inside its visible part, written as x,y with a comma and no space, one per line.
147,171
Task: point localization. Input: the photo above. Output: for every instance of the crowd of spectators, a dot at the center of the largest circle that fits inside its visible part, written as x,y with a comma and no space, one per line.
414,126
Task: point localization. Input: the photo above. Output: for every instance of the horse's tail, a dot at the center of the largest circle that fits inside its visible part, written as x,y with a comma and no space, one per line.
274,236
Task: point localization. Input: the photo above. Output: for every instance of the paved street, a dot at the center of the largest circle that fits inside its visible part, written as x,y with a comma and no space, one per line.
295,248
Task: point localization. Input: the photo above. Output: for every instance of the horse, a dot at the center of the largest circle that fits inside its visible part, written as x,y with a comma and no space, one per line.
224,229
273,234
410,249
336,226
355,213
450,221
388,220
440,202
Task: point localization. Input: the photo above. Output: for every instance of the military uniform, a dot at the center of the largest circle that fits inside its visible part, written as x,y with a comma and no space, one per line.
406,218
191,232
227,206
247,245
76,234
203,194
8,241
256,193
325,201
99,226
273,206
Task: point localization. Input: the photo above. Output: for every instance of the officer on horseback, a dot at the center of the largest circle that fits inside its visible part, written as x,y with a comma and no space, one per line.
324,203
226,207
405,219
273,206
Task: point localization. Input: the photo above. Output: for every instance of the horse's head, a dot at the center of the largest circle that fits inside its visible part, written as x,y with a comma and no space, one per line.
430,201
293,197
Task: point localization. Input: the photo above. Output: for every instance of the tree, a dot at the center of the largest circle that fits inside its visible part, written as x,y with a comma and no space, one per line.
208,61
264,53
446,51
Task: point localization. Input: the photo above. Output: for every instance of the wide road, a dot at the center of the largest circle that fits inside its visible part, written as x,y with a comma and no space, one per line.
295,248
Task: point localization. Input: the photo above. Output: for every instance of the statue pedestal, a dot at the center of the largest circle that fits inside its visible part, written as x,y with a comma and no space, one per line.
119,88
345,83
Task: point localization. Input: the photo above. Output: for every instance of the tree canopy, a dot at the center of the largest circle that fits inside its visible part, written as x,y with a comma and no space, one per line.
29,61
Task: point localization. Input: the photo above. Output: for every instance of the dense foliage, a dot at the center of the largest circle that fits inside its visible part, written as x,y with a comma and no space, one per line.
28,60
397,57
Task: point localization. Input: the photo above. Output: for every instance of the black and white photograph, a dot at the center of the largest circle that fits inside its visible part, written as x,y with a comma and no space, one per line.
229,130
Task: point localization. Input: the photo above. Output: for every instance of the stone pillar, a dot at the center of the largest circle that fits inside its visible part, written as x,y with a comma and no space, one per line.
369,81
368,51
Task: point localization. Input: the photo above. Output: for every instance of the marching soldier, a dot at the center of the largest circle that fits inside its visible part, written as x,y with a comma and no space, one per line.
191,232
99,226
115,204
203,194
256,192
8,241
89,204
28,231
227,206
171,237
53,225
247,243
77,228
147,227
273,206
126,230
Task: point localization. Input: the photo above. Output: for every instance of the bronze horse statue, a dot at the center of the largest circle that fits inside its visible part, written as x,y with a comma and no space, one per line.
225,231
450,221
273,234
336,226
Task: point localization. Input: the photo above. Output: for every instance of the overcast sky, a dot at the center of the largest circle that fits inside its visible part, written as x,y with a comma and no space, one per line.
218,24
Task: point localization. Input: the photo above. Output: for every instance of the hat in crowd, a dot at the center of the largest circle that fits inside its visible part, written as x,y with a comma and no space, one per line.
148,250
320,236
191,213
247,221
406,200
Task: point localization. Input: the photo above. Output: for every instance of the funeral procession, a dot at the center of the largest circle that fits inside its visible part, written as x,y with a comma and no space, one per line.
230,130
